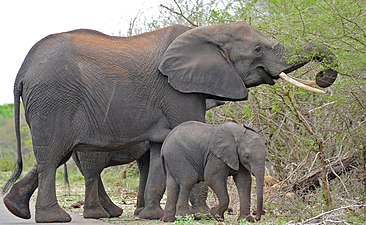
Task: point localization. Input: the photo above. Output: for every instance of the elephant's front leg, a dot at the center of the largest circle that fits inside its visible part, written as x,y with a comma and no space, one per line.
155,185
17,200
216,173
219,186
198,198
243,182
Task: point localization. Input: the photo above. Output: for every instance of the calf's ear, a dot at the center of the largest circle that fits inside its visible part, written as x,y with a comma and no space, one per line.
223,144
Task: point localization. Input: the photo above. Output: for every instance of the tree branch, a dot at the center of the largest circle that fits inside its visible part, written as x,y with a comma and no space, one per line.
334,210
180,13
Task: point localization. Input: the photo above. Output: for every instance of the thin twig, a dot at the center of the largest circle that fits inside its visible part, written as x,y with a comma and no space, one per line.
180,13
300,116
312,110
334,210
358,100
340,180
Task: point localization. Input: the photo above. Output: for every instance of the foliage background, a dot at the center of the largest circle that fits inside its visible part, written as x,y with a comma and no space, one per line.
304,132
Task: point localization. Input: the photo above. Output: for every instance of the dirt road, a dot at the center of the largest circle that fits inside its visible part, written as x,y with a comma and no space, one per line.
6,218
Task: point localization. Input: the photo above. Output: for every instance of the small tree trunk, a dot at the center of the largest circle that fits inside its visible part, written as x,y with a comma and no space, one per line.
325,168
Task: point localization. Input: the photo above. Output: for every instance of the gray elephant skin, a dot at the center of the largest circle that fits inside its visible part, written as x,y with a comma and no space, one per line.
86,91
195,152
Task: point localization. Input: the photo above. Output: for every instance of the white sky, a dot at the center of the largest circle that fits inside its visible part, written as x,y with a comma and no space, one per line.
24,22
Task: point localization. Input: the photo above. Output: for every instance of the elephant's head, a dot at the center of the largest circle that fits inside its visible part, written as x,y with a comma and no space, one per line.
224,60
236,145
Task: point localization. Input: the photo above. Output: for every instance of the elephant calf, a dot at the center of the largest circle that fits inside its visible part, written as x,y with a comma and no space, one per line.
195,151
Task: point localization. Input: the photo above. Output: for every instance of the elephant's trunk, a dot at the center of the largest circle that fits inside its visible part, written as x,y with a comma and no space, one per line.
324,78
259,176
259,187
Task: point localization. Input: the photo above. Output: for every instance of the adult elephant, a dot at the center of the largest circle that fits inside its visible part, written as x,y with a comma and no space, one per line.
87,91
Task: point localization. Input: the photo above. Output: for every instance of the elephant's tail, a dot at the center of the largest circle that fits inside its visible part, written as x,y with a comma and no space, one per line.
163,164
66,178
19,168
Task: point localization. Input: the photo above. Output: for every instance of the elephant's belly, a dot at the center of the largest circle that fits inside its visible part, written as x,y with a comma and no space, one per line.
118,134
101,146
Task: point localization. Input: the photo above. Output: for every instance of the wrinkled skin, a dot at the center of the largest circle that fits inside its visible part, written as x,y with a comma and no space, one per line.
86,91
195,152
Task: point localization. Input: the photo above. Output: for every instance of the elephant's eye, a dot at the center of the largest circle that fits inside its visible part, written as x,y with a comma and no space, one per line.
258,49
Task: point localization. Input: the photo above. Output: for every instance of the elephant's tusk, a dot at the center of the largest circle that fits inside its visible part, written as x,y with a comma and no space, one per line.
299,84
311,83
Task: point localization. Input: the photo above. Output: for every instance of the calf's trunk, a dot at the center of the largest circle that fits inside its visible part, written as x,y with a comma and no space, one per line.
259,176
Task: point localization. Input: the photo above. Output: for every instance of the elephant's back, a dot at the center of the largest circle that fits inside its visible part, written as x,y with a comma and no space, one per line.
188,136
184,151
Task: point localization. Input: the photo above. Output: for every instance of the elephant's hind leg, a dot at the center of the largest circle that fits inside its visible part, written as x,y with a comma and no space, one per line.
108,205
219,186
91,165
172,198
47,207
17,200
93,208
186,181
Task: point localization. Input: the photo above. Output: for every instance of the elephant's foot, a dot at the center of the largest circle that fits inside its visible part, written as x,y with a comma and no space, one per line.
112,209
184,211
248,218
168,218
202,216
95,212
17,205
52,214
217,214
137,211
200,209
151,213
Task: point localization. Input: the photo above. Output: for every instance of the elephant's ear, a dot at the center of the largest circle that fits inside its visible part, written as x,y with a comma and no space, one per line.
194,63
223,143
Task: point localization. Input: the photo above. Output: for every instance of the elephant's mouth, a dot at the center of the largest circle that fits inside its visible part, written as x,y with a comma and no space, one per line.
267,78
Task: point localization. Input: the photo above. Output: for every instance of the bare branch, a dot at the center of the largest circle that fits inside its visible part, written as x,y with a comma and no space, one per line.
334,210
300,116
180,13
